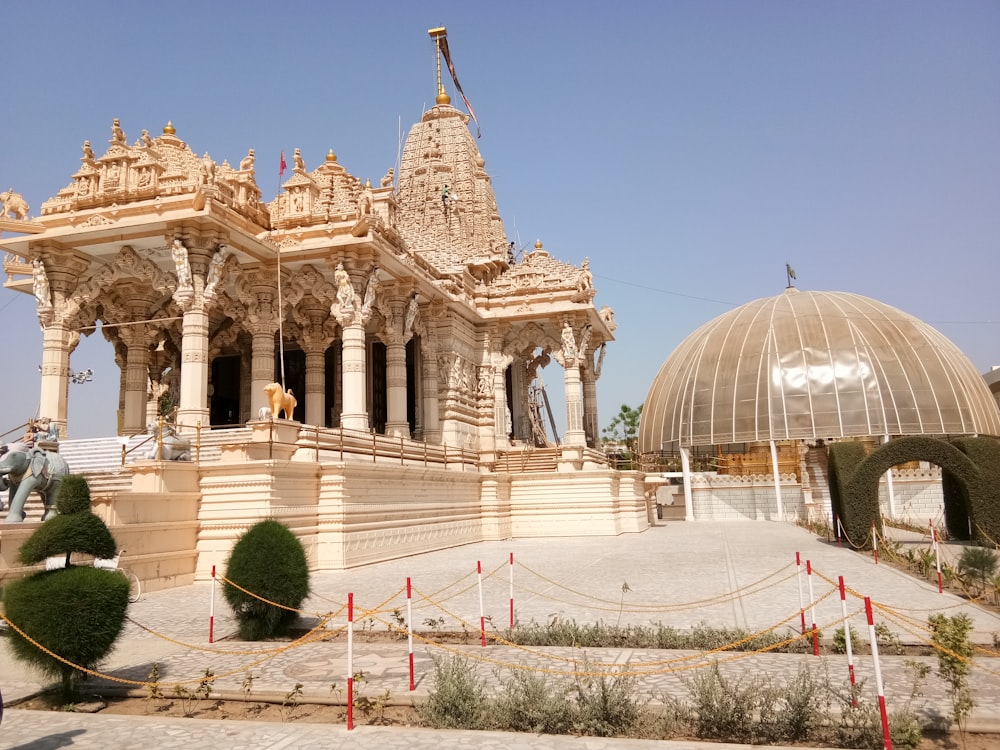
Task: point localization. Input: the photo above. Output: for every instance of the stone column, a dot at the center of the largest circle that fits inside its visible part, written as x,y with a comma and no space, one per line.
432,416
261,365
57,343
575,436
194,369
136,378
315,385
355,413
590,426
395,361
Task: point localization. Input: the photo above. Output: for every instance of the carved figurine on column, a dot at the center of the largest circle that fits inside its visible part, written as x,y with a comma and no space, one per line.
215,269
345,292
371,292
569,350
40,284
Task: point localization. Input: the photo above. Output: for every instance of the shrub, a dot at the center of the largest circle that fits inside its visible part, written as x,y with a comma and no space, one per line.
954,652
76,612
606,706
978,563
527,703
270,562
458,699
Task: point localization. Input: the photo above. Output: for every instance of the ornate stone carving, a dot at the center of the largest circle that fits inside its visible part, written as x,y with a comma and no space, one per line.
215,271
14,206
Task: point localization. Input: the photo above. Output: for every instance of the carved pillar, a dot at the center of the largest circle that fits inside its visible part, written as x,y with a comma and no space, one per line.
137,360
194,368
355,413
315,384
430,382
57,343
395,361
575,436
502,417
589,377
261,365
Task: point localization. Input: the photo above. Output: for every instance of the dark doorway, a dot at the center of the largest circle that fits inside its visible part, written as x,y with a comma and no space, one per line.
332,383
412,354
224,404
380,409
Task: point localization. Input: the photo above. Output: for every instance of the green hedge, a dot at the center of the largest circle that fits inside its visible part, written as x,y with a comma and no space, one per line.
983,500
842,461
270,562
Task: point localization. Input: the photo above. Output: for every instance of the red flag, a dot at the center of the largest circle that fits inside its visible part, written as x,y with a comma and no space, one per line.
443,46
283,166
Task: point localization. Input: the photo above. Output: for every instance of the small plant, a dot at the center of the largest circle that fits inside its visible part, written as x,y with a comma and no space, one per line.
186,698
398,623
434,624
527,703
840,641
291,702
246,687
976,566
606,706
888,642
153,690
458,699
954,651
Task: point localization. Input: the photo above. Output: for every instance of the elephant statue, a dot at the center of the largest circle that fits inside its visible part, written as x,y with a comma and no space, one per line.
172,447
25,469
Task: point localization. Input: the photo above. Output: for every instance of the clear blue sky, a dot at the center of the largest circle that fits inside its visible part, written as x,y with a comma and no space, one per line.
689,149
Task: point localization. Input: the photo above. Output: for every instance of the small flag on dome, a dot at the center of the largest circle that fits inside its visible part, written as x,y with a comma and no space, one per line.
283,166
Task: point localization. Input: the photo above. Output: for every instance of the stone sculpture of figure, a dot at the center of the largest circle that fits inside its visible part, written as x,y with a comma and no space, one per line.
584,279
40,283
371,292
146,139
584,344
297,160
411,314
88,152
388,178
207,169
215,268
117,134
247,162
365,200
568,343
345,290
181,264
608,316
485,384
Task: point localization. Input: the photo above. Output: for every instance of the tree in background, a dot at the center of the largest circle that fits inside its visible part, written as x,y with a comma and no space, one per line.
623,430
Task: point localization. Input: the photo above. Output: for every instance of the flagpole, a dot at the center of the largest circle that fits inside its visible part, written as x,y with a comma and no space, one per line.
281,309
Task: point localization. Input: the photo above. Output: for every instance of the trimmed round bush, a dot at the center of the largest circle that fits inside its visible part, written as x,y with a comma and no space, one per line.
76,612
78,532
270,562
73,495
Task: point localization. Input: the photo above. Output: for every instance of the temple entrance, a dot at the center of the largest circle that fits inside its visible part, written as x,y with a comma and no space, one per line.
332,383
224,399
412,354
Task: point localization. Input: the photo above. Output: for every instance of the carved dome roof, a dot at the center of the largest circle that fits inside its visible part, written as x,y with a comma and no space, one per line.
462,225
807,365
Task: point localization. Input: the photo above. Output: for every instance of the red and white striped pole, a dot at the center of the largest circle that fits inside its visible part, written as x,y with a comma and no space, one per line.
937,560
482,612
798,576
350,661
211,611
409,628
840,529
886,737
847,636
511,590
875,542
812,607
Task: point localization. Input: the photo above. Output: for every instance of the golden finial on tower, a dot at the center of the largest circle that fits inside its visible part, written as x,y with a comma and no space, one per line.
330,156
437,35
168,129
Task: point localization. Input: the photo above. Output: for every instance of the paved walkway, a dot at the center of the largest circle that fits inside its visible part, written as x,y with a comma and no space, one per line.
679,574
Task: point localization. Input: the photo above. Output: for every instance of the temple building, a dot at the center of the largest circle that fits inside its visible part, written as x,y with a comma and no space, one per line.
395,313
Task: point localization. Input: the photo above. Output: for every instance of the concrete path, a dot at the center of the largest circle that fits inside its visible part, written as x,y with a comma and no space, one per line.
739,574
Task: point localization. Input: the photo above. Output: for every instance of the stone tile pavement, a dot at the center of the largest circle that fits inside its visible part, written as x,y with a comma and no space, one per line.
678,574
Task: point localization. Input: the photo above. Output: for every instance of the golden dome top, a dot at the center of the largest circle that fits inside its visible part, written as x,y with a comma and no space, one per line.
368,183
538,244
168,129
442,97
330,156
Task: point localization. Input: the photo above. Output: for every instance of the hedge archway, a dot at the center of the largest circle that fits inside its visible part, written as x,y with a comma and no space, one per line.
966,466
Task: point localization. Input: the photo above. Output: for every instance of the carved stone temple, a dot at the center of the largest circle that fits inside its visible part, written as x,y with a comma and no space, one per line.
410,332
